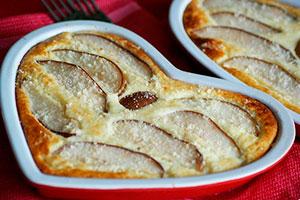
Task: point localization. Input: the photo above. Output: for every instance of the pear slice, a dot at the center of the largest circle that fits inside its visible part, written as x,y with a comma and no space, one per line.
243,22
177,157
219,151
252,44
109,160
138,100
234,120
49,111
77,83
105,72
259,10
113,51
273,76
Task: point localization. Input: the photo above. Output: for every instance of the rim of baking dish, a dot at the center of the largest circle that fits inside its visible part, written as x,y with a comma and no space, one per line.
24,158
176,23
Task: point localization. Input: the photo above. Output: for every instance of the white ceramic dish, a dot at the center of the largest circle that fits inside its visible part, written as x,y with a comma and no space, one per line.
176,23
48,183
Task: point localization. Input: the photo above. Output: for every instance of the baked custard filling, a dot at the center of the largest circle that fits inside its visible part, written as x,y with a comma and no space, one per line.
94,104
257,41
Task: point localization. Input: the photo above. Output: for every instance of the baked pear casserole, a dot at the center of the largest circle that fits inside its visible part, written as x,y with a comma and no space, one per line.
94,104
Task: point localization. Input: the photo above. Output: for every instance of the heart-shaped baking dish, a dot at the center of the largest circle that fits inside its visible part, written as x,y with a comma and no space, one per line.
176,22
89,188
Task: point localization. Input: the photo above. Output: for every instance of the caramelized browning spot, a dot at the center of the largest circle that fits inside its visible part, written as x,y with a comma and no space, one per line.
211,47
193,17
138,100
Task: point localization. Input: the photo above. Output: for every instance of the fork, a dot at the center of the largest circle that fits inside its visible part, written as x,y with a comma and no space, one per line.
70,10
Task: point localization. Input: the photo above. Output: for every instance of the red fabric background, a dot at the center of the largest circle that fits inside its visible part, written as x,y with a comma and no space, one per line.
148,18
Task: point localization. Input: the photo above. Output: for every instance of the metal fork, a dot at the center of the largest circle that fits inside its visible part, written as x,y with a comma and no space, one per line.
61,10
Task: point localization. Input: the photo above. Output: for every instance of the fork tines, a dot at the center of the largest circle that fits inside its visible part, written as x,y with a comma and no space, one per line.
62,10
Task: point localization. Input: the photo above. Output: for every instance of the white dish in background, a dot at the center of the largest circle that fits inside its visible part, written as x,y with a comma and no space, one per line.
281,146
176,23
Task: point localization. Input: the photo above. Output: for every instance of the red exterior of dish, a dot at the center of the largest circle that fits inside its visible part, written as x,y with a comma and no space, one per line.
145,194
135,194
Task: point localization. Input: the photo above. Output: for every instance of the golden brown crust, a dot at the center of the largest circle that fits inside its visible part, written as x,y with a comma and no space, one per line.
211,47
89,174
38,137
193,17
41,140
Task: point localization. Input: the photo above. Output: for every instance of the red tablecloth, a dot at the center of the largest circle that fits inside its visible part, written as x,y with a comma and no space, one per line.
148,18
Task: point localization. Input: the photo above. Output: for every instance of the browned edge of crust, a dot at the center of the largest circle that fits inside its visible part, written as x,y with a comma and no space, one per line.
70,172
193,17
38,137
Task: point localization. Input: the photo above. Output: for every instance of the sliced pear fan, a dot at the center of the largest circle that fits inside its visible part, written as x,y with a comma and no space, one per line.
106,73
170,152
217,148
274,76
243,22
255,45
235,121
109,49
245,6
77,83
109,159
